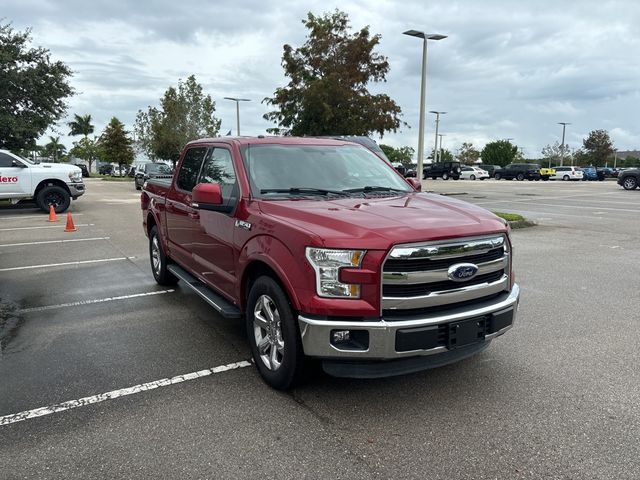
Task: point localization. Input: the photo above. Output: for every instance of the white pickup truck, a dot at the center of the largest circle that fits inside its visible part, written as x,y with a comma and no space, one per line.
48,183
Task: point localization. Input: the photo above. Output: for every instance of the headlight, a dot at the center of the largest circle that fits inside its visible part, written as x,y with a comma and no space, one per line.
75,176
327,264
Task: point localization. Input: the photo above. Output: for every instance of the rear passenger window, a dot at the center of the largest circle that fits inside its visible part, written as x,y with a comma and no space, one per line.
190,168
218,168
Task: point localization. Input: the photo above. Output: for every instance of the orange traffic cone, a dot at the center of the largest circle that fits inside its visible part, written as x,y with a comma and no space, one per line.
70,226
52,214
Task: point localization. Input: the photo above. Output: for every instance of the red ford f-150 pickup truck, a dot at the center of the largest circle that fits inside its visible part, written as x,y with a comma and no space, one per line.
327,253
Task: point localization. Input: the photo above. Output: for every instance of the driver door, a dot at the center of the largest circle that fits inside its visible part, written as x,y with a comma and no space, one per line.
15,177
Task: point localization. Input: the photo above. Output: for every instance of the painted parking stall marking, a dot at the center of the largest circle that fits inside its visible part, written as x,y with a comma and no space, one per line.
40,228
112,395
54,241
64,264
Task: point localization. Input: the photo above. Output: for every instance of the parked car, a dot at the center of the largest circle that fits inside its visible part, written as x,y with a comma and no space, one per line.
567,173
490,169
605,171
151,170
472,173
105,169
410,173
400,168
547,173
84,169
629,178
445,170
519,171
592,174
324,252
119,171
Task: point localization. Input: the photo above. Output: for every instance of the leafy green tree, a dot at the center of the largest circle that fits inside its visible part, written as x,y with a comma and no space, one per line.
87,149
185,114
599,146
54,149
81,125
630,161
556,154
403,155
499,152
327,93
581,158
468,154
116,144
33,90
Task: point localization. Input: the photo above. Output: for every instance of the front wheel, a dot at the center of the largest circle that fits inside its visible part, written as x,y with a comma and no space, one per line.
630,183
497,176
520,177
159,260
472,177
53,195
273,334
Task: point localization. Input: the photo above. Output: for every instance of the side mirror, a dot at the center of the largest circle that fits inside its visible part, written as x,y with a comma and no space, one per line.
16,163
415,183
207,194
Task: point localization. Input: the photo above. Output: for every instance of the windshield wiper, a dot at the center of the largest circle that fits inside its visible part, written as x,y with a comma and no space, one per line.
305,191
375,188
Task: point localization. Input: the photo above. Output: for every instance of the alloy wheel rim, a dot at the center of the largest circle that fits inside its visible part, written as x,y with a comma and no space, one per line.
155,255
54,199
629,182
267,330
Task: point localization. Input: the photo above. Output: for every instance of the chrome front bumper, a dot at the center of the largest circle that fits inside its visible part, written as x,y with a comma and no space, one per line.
316,334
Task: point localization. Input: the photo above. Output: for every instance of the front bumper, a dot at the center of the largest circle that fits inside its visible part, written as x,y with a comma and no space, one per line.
76,189
388,340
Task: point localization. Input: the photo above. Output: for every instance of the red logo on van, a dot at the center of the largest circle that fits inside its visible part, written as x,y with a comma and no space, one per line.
8,179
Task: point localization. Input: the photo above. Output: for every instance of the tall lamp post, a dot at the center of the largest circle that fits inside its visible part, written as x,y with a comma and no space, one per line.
564,126
237,100
440,148
435,146
423,88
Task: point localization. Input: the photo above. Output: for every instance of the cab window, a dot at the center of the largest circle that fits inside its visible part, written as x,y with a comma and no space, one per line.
218,168
190,168
6,160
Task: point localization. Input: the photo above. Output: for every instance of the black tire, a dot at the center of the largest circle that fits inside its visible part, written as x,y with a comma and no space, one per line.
497,176
545,178
445,176
472,177
53,195
630,183
520,177
434,178
280,338
156,254
138,187
456,177
565,178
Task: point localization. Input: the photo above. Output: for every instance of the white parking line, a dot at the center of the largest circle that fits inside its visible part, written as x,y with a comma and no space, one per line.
143,387
19,217
54,241
91,302
38,228
81,262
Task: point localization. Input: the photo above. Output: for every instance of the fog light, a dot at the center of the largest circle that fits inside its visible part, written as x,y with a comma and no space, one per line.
339,336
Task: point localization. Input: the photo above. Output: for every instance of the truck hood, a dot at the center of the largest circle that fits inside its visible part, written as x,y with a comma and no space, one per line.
57,167
379,223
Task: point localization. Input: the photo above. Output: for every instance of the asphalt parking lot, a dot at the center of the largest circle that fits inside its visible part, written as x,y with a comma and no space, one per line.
82,321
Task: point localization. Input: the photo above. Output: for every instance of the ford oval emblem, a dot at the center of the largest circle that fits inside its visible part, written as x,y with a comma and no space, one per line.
461,272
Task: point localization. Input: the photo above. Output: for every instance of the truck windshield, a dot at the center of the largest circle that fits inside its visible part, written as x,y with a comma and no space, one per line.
277,170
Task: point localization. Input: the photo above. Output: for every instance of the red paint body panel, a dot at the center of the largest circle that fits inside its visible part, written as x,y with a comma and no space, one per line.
212,246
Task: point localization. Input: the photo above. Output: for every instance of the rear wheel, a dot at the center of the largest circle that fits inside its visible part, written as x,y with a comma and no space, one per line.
472,177
565,178
159,260
497,176
630,183
445,176
53,195
273,334
520,177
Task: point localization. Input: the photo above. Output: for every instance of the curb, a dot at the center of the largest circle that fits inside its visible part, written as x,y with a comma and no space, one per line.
522,224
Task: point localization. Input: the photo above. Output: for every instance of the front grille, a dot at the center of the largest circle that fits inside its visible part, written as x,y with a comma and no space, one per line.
422,289
427,264
416,276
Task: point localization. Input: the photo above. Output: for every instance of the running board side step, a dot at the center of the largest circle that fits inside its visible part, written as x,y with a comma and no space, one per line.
222,305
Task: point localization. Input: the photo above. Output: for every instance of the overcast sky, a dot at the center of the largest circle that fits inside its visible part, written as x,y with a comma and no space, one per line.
506,70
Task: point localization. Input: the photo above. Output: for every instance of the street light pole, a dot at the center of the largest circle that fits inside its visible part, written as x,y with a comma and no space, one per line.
440,149
435,145
237,100
564,126
423,88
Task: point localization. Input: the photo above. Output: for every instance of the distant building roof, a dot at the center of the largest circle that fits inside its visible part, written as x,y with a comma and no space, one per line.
628,153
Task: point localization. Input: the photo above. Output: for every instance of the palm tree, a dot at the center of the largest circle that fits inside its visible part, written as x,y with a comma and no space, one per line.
81,125
55,148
